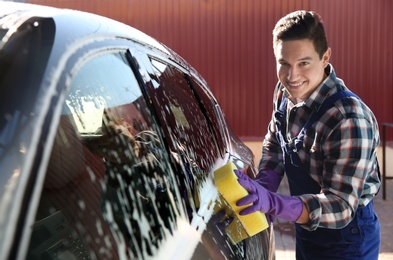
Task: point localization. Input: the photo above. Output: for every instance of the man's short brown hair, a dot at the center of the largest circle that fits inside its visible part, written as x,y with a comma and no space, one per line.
301,25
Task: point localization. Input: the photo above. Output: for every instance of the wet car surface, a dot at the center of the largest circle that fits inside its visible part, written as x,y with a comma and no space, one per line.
108,144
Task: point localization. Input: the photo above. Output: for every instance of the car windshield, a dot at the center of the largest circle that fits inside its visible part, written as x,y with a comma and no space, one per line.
24,50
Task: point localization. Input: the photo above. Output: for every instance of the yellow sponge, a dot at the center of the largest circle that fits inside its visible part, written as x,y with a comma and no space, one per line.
230,189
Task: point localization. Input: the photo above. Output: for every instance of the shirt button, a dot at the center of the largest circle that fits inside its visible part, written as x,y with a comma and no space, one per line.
354,230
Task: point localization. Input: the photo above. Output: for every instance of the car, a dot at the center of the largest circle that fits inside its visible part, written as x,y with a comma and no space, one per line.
109,142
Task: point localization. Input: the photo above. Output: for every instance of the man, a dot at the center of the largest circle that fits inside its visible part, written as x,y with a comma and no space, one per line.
325,139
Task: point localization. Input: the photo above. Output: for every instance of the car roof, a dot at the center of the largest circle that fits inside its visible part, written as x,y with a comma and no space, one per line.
74,25
69,22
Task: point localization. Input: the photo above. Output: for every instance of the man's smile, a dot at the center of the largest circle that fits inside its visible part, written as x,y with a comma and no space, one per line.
295,85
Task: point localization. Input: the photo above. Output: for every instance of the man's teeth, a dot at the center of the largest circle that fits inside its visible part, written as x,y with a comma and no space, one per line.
295,85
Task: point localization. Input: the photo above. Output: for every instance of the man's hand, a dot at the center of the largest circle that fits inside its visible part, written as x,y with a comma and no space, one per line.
277,205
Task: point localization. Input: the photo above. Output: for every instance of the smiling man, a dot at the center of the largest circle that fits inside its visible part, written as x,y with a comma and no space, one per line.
325,139
299,67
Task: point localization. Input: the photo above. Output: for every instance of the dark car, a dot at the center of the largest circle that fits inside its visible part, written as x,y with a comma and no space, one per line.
108,144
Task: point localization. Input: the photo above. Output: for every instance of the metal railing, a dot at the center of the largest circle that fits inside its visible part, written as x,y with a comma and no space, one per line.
384,177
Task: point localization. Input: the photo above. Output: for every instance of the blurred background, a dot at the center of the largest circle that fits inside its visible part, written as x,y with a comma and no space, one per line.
230,43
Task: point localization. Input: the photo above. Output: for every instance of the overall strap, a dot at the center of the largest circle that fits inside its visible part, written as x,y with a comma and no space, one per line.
326,105
280,116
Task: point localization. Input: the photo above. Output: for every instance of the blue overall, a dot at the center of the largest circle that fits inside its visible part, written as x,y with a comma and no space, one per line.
360,239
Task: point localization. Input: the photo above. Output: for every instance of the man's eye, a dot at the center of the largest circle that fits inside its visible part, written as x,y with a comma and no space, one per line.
304,63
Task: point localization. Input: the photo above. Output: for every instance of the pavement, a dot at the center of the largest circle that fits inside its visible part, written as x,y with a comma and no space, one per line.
284,230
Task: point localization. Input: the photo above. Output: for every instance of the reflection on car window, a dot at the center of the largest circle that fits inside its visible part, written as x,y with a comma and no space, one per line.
183,121
212,111
183,117
107,192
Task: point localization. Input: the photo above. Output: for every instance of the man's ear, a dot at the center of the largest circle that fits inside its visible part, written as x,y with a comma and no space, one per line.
326,57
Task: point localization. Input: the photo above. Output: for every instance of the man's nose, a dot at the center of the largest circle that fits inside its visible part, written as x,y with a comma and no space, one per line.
292,74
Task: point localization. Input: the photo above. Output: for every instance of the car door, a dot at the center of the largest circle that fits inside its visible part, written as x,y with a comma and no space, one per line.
192,129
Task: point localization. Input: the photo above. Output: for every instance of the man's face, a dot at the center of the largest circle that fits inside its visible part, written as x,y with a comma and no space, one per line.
299,67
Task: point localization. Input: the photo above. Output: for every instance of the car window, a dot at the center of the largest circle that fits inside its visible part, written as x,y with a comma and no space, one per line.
211,110
108,191
186,129
24,52
181,115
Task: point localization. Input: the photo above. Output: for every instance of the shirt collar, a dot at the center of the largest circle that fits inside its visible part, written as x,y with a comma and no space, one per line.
315,100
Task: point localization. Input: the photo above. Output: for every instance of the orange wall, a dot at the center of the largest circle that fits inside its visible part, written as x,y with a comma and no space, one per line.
229,43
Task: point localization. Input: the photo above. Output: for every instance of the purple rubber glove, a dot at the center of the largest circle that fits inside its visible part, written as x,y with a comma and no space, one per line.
277,205
268,179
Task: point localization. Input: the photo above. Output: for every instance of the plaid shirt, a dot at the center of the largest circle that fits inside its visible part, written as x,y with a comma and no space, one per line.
339,152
